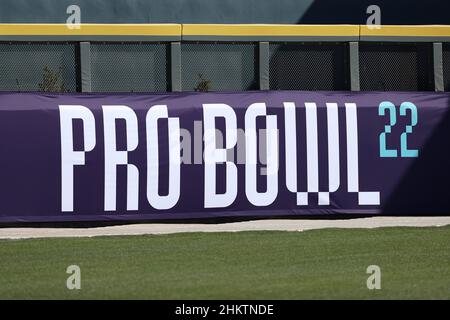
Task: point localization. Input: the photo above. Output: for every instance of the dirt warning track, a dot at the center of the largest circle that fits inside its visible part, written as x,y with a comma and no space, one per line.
256,225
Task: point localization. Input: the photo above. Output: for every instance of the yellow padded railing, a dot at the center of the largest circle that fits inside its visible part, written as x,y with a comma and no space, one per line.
226,30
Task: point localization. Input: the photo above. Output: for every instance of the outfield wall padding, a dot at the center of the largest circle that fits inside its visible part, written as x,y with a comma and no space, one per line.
130,157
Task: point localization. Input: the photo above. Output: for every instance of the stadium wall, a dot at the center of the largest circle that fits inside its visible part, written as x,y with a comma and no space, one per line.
306,59
223,57
227,11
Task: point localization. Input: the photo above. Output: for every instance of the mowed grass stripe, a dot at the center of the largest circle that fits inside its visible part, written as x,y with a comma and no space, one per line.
330,263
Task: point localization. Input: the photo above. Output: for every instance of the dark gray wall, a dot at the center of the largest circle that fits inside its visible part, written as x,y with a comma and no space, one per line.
227,11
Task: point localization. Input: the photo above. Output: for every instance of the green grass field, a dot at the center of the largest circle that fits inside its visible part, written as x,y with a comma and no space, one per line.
415,263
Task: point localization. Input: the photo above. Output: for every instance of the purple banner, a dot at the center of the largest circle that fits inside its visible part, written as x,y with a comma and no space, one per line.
79,157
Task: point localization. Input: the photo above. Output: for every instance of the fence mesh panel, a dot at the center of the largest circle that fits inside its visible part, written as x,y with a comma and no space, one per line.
396,66
129,67
219,66
446,62
309,66
38,66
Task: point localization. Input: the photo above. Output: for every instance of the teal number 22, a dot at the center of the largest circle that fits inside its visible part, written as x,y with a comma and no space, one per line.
404,151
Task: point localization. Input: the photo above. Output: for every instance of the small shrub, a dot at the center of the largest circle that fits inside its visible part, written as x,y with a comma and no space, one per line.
203,84
52,81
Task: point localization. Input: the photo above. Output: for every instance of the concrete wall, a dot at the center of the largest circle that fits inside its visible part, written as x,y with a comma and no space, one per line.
227,11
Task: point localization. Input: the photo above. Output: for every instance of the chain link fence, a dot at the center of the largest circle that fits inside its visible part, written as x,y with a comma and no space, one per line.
446,65
218,66
396,66
309,66
39,66
129,67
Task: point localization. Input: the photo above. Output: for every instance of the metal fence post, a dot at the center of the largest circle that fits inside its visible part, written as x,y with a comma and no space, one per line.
438,67
354,66
264,66
85,66
175,66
